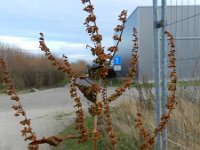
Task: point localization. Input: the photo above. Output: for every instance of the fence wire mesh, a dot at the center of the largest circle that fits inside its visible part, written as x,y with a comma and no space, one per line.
183,18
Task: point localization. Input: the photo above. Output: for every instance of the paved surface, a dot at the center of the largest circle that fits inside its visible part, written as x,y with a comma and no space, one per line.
50,111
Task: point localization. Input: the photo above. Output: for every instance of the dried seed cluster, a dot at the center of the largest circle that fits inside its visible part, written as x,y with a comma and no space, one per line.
92,29
90,92
127,83
109,128
171,102
132,71
171,99
66,68
79,113
102,61
53,140
27,131
147,137
118,37
96,109
98,50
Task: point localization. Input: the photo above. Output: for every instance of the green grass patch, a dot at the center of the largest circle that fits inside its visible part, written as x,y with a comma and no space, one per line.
110,81
118,82
27,90
61,115
62,83
114,82
72,144
189,83
2,89
125,142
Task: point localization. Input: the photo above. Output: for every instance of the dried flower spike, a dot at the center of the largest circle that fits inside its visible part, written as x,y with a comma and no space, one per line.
27,131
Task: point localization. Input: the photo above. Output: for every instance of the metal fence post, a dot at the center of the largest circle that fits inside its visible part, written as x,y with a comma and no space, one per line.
156,69
163,71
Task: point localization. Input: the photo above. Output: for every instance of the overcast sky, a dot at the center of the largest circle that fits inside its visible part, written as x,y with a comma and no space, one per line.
62,23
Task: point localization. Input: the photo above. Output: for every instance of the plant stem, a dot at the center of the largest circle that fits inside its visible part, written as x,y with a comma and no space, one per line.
96,119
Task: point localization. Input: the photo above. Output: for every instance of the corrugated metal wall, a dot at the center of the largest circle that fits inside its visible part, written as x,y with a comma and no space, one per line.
183,22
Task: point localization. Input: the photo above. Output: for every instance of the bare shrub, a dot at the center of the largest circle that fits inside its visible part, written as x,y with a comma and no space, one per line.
79,66
28,70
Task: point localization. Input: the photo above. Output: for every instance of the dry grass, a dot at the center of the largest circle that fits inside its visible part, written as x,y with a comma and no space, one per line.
183,129
123,119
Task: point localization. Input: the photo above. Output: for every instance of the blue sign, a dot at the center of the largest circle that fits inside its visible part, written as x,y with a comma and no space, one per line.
117,60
